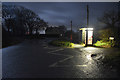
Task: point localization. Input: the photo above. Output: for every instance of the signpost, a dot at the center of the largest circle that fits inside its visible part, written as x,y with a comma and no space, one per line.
111,40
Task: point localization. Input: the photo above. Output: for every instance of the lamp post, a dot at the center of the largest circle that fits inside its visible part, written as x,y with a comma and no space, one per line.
87,26
71,32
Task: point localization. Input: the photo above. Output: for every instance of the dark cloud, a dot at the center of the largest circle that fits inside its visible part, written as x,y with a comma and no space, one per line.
61,13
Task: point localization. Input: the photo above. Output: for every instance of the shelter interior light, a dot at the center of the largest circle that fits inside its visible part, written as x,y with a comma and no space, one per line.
90,36
87,34
86,28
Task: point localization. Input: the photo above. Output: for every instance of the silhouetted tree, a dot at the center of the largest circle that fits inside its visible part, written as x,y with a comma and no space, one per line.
110,18
111,21
19,19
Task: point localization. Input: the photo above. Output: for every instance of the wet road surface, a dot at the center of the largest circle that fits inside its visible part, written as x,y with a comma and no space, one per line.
37,59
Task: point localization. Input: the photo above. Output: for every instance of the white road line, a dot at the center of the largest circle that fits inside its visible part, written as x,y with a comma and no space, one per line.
50,48
78,52
81,65
69,66
56,50
60,54
54,64
45,46
66,59
53,52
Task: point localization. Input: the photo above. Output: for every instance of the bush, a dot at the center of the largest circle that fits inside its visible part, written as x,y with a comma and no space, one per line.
106,44
104,34
62,43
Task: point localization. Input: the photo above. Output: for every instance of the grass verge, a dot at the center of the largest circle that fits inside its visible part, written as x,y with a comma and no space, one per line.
62,43
103,44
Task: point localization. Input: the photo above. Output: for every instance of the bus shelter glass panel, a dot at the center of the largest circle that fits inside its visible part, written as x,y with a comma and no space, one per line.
90,37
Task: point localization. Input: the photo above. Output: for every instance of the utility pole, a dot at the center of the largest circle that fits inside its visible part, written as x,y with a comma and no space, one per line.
71,32
87,25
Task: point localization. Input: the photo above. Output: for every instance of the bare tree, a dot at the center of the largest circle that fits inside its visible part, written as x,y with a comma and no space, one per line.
20,19
110,18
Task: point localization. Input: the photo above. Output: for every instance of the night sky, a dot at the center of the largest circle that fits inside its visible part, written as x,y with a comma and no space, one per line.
61,13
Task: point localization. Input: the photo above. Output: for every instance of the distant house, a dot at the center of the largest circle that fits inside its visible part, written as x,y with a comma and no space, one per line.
40,30
56,30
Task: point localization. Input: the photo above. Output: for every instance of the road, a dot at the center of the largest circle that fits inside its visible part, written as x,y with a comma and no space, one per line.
37,59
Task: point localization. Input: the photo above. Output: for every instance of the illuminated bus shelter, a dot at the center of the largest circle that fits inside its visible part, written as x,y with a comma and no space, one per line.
86,36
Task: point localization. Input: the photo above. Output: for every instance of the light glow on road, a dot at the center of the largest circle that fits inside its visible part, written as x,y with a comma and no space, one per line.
90,48
78,46
89,57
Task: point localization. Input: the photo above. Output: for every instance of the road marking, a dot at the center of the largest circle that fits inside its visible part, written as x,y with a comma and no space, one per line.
81,65
50,48
60,54
78,52
66,59
68,65
45,46
56,50
54,64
